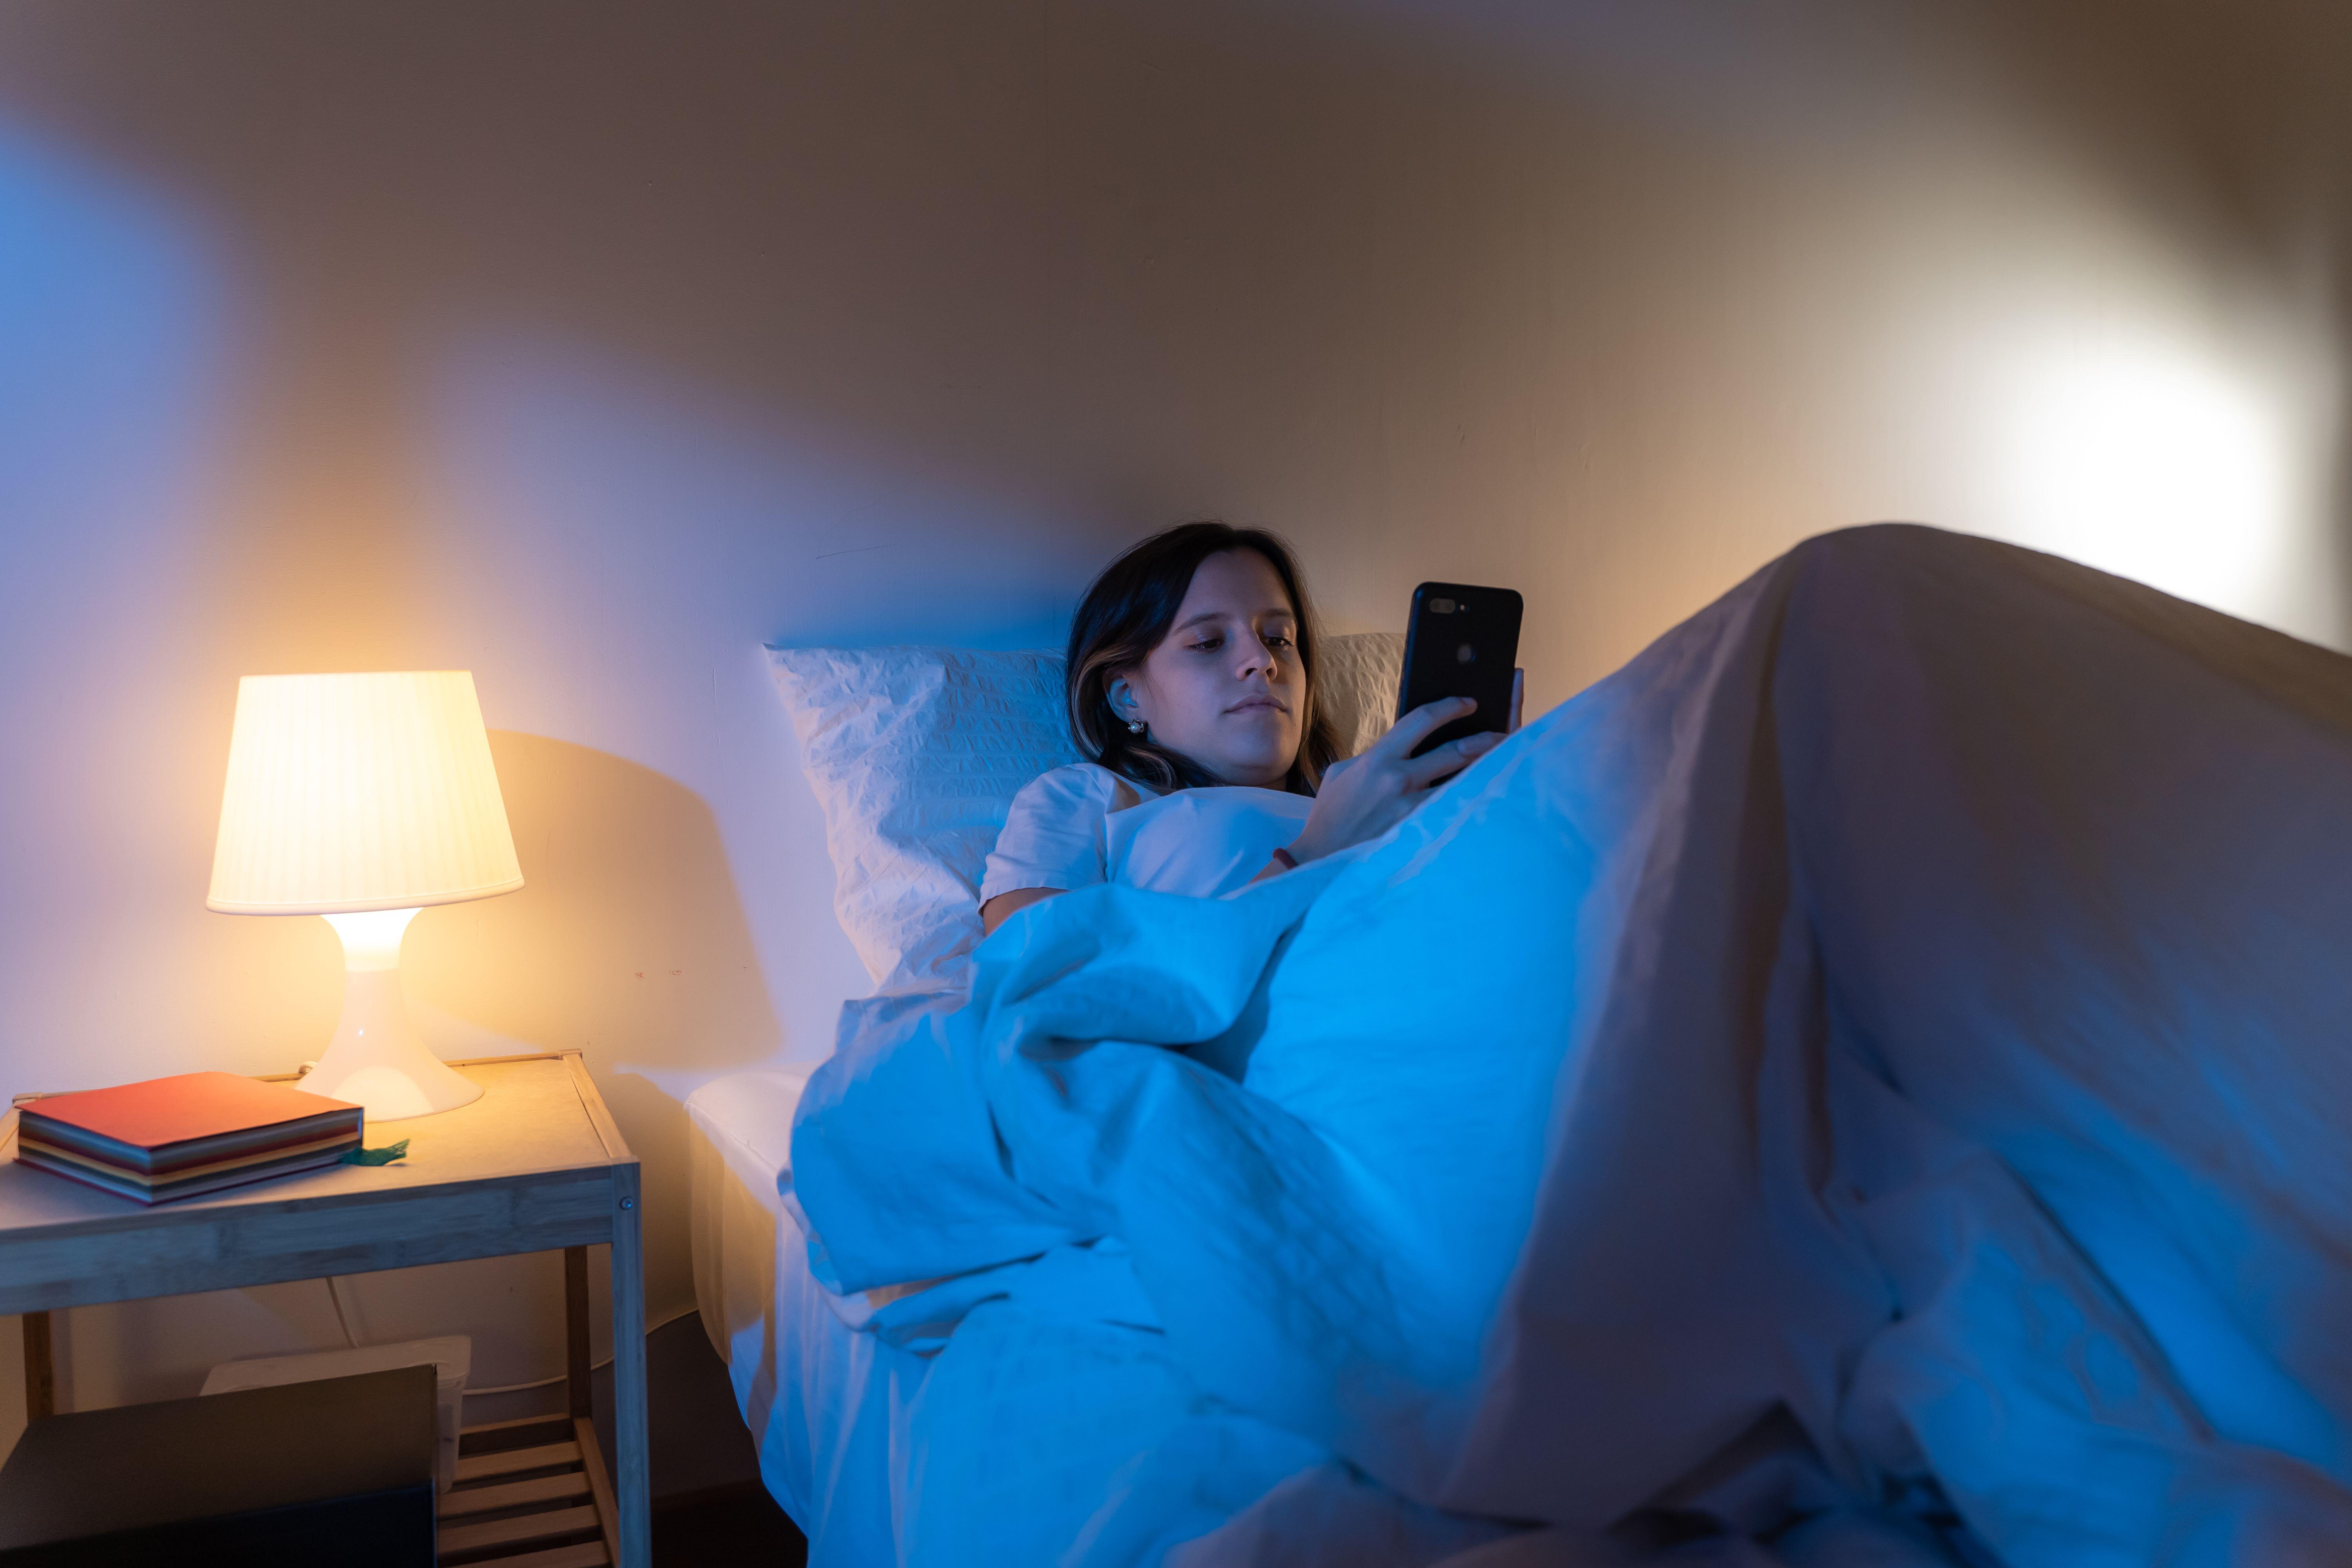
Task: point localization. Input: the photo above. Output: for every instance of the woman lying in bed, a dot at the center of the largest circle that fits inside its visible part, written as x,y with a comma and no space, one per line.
1864,1083
1192,687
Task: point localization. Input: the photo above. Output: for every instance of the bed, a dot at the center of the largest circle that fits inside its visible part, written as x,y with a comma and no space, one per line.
1864,1083
818,1396
914,753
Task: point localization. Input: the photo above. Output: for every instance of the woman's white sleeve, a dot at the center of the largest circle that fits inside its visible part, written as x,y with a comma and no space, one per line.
1053,835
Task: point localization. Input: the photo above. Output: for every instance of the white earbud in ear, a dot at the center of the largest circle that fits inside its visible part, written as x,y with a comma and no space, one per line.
1122,697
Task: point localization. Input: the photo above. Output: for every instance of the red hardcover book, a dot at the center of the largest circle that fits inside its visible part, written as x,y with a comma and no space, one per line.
173,1124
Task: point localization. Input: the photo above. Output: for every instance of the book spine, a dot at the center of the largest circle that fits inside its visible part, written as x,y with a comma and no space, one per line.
169,1157
86,1175
66,1135
248,1175
332,1145
120,1186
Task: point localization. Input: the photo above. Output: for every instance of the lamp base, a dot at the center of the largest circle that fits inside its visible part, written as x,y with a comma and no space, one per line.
376,1060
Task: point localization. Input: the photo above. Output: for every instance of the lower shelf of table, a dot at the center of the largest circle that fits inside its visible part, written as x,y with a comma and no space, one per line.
531,1493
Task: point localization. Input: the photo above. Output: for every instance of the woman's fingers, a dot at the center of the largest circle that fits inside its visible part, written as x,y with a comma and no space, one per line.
1435,764
1414,727
1380,789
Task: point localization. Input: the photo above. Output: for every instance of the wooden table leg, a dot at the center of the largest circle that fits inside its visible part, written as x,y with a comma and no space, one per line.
577,1372
576,1330
630,1475
40,1369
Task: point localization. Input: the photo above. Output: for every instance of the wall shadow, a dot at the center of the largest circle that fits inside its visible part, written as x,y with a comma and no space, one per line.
627,942
627,939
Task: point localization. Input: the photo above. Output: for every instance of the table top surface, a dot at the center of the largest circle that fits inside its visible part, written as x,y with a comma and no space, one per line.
537,1115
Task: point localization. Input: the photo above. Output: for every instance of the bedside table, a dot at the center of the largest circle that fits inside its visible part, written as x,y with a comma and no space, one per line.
535,1164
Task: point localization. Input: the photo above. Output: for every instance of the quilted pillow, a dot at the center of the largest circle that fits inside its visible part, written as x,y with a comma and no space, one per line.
915,755
1359,679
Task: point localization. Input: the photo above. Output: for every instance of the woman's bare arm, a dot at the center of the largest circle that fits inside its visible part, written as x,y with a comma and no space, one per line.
1005,905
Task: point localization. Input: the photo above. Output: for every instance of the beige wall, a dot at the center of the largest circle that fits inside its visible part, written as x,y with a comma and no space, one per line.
589,346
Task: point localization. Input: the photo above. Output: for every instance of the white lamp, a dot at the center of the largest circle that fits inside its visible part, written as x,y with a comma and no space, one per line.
364,798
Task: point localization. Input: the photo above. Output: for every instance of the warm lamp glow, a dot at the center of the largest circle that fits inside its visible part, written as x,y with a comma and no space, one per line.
360,792
364,798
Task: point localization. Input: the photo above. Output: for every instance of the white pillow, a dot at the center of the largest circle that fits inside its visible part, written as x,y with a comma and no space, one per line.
1359,679
915,753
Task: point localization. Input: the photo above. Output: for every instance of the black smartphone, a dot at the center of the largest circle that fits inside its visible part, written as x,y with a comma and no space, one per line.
1461,642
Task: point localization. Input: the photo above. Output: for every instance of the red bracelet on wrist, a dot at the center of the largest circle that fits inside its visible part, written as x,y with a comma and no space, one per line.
1285,859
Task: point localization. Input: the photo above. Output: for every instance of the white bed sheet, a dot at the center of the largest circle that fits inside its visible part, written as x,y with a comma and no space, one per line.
824,1404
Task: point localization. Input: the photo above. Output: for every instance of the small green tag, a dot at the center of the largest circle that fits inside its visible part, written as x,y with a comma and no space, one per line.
384,1156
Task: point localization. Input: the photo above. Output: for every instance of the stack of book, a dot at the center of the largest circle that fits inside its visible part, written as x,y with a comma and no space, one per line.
177,1137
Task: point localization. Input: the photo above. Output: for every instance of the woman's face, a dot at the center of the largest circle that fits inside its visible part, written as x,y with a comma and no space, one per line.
1224,688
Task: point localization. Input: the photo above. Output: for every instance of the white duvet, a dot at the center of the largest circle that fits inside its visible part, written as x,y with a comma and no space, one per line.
1866,1083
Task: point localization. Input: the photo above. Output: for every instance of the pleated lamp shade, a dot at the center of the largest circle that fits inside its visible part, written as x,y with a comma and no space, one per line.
360,792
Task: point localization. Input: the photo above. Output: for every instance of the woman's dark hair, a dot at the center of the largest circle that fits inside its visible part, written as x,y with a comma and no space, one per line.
1127,614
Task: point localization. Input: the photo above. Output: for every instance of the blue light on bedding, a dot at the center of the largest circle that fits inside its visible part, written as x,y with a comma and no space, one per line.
1864,1083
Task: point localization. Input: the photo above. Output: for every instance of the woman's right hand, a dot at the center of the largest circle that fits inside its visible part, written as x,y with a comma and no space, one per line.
1364,796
